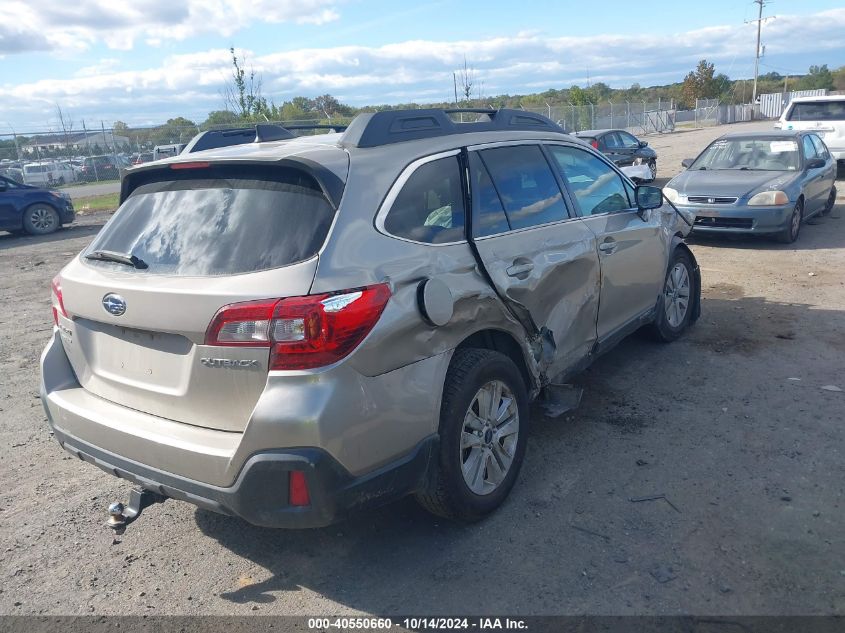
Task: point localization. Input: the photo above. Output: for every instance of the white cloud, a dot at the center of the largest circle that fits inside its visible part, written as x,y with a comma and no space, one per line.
49,25
418,70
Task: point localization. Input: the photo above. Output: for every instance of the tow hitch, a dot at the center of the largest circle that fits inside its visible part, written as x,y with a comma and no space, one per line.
139,498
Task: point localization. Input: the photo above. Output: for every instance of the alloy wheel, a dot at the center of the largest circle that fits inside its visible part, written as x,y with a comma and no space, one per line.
489,437
42,219
676,296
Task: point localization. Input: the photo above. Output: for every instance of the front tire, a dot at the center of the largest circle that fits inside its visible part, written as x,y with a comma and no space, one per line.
791,230
483,434
41,219
677,300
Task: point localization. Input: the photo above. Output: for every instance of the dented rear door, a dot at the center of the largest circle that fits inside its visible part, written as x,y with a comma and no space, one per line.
541,260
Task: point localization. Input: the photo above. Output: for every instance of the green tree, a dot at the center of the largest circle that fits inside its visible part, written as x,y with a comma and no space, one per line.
700,84
838,77
220,118
818,77
120,128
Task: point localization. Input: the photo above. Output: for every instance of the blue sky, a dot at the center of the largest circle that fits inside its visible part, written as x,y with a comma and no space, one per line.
147,60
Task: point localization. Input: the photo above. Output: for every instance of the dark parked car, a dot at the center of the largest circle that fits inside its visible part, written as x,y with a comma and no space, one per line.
32,209
101,168
141,158
633,156
766,183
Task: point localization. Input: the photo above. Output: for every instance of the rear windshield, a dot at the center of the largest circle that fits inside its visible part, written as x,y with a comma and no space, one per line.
817,111
202,224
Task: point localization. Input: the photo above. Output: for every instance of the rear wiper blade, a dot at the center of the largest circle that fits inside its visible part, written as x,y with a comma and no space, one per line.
120,258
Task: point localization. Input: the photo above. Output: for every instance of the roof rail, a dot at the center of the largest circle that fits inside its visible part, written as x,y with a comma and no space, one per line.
259,133
374,129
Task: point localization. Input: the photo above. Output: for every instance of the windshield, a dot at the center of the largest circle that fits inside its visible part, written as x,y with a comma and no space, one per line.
203,224
756,154
817,111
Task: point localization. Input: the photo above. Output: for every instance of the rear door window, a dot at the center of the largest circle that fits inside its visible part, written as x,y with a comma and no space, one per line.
430,207
612,141
488,214
526,185
219,221
627,140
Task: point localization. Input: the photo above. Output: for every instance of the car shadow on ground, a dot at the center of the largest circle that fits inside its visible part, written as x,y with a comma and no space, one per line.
78,230
569,535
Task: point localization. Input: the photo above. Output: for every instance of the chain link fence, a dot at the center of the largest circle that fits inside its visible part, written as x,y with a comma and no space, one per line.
57,158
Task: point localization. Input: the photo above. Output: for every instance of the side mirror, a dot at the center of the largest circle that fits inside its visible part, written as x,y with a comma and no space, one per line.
643,143
649,197
687,162
815,163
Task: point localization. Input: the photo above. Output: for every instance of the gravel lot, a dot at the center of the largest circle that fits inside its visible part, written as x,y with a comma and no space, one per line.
731,424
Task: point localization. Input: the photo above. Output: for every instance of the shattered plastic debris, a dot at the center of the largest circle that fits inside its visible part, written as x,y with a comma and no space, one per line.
831,388
558,399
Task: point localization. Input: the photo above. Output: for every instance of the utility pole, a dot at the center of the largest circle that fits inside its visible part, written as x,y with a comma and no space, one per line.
760,4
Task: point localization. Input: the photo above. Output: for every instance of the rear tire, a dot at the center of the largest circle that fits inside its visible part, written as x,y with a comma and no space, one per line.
791,231
480,453
831,201
677,300
41,219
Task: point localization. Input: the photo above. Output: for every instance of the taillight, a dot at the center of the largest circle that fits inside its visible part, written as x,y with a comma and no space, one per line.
594,143
57,301
298,489
301,332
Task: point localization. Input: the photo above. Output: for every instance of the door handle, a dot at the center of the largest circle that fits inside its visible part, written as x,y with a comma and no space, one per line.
608,246
518,270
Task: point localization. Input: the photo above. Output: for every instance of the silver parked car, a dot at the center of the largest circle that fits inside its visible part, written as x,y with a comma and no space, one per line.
764,183
288,330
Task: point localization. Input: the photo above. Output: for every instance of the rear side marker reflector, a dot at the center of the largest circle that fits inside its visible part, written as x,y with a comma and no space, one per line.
298,489
301,332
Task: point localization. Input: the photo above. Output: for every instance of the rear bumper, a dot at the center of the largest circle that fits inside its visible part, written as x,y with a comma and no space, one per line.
359,443
260,493
738,220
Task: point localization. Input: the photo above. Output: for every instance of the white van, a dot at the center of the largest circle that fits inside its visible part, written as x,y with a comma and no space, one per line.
47,173
825,116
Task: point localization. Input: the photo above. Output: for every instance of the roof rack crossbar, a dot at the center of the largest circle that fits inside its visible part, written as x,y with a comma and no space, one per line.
489,111
374,129
316,126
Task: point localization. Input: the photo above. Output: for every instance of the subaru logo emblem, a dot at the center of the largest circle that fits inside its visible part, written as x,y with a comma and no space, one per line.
114,304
